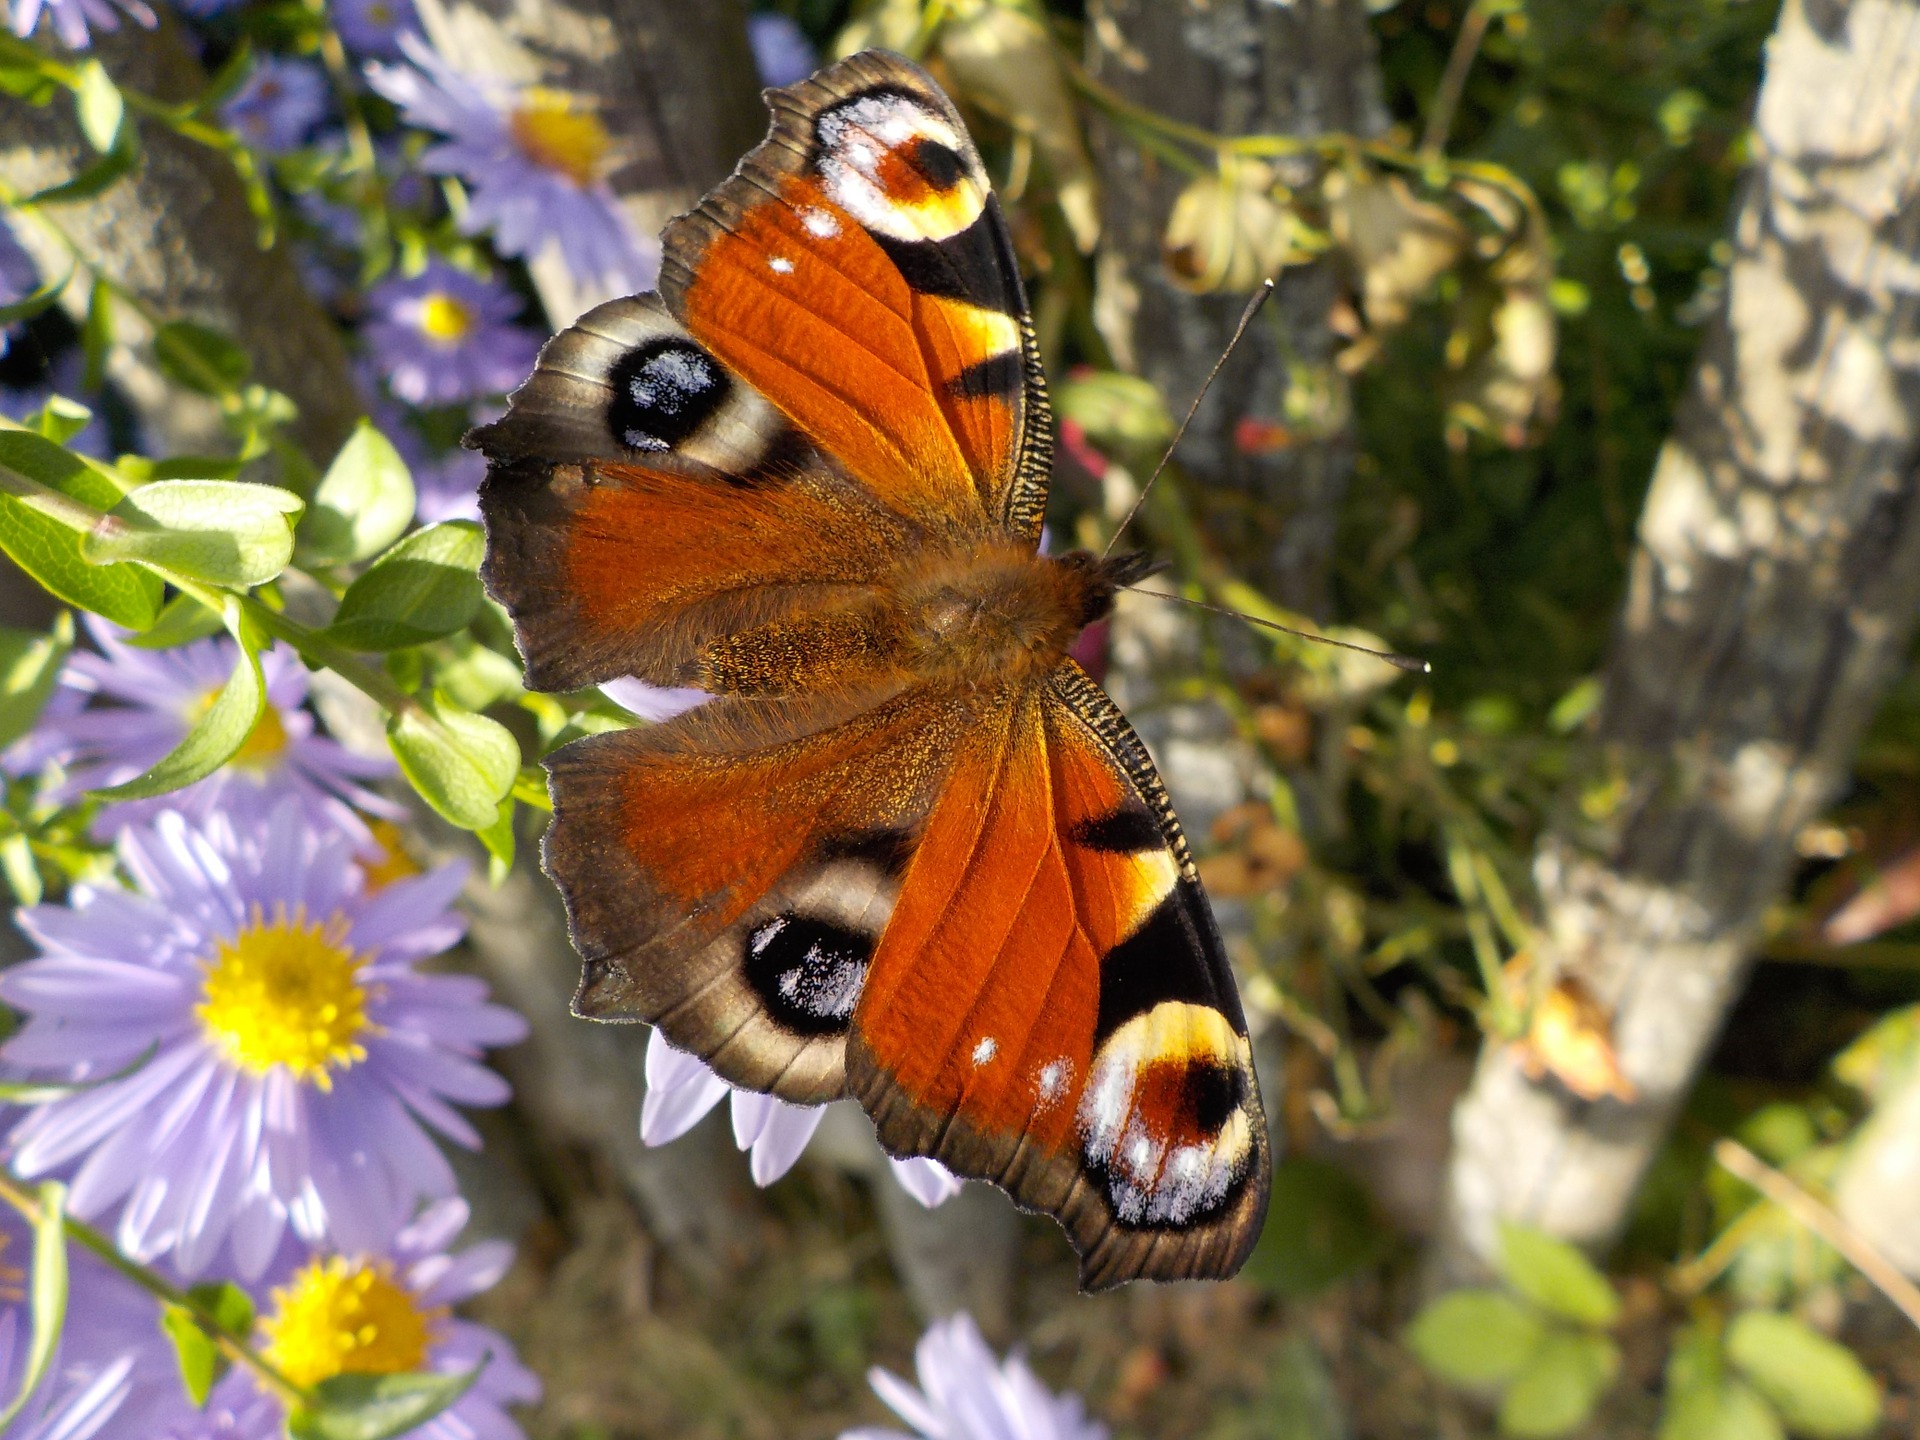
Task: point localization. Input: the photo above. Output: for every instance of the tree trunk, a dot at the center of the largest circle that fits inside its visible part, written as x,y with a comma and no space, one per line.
177,233
1771,597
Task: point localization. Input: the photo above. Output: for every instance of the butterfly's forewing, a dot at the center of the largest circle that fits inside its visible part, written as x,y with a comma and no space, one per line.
857,269
727,875
1050,1007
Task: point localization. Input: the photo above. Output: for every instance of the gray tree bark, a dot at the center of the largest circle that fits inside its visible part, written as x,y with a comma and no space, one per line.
1235,67
178,234
1771,597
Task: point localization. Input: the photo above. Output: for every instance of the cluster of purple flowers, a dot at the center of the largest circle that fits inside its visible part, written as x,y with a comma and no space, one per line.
258,1066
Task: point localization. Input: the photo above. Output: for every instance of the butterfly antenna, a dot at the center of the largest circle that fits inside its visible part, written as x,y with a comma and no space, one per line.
1260,297
1404,662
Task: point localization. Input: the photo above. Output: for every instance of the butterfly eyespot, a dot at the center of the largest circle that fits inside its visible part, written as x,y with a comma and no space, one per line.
1164,1120
663,391
808,971
940,164
898,167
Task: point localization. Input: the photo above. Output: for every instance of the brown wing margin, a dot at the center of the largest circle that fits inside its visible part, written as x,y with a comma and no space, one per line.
1050,1007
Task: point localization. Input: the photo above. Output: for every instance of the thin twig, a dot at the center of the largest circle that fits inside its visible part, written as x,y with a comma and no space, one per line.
1403,662
1260,297
1453,82
1824,1221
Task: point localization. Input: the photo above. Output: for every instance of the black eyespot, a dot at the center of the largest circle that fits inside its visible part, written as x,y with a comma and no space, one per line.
663,391
808,972
939,164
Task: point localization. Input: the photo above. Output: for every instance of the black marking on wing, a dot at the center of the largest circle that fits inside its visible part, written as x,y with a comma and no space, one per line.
807,971
1004,375
941,165
1175,955
1127,831
663,391
977,265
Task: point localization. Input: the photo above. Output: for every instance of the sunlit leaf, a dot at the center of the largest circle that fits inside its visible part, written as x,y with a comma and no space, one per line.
201,1364
1556,1276
1559,1386
1475,1339
425,587
29,668
462,764
49,551
1820,1389
225,532
363,504
377,1407
47,1294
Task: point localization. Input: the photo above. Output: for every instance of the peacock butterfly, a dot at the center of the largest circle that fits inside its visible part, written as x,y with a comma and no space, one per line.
909,851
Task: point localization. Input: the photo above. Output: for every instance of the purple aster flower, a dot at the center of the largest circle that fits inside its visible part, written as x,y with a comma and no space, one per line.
966,1394
108,1344
70,18
535,163
374,27
681,1089
295,1059
143,702
280,103
378,1312
201,9
781,51
444,336
447,487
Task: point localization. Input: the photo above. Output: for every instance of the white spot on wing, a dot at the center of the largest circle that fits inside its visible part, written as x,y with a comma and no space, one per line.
820,223
985,1050
780,265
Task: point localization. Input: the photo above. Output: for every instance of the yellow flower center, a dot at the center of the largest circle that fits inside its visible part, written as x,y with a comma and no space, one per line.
335,1317
444,319
553,131
283,993
393,862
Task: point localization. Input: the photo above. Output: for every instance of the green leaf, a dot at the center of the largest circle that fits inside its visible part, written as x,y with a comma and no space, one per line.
96,335
1818,1386
49,551
474,675
29,667
23,877
225,532
226,1304
1475,1339
498,838
201,1363
1115,409
1556,1276
182,619
462,764
38,302
60,419
219,733
424,587
1319,1227
1728,1410
363,504
1560,1385
99,105
48,1294
200,359
377,1407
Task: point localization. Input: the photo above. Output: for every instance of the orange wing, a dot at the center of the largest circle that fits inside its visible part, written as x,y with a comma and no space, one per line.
856,269
1050,1008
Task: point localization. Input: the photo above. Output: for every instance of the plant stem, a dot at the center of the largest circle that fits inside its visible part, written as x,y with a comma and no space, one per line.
1453,81
103,1249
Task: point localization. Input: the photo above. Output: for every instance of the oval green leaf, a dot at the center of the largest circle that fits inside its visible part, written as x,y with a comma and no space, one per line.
48,1294
193,1349
462,764
1818,1386
1725,1411
221,731
1556,1276
1560,1385
225,532
99,105
378,1407
1475,1339
363,504
425,587
29,665
49,550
